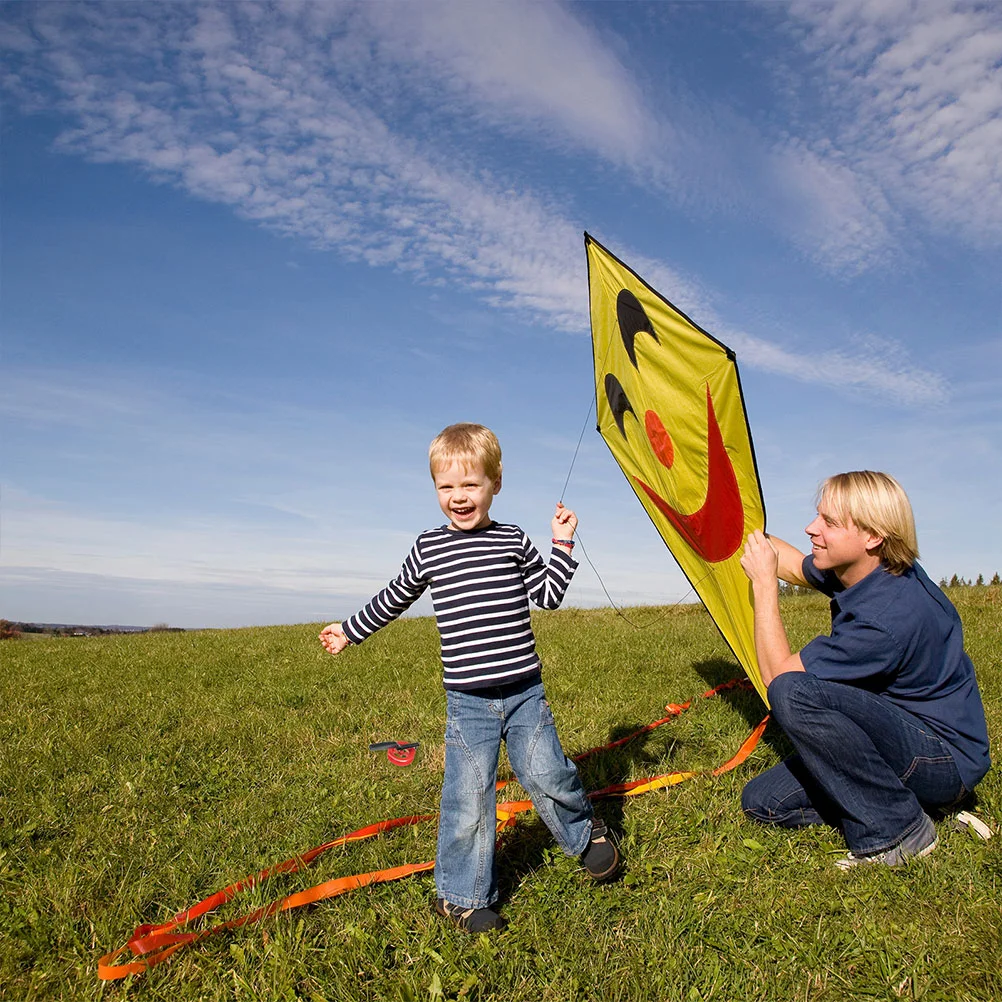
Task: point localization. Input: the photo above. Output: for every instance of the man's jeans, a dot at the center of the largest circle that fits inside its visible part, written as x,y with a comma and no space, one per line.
475,725
862,765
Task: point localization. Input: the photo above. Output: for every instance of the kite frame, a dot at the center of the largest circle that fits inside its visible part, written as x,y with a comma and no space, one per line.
731,356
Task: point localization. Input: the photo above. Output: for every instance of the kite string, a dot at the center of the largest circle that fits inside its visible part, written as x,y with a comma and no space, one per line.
584,427
577,449
619,612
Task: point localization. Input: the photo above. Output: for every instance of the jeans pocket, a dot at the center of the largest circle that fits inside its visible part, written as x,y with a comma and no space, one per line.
924,762
934,780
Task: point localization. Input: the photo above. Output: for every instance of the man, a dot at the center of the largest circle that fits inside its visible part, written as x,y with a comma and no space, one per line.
884,714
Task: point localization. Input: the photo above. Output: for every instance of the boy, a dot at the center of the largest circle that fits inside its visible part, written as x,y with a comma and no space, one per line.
884,714
482,575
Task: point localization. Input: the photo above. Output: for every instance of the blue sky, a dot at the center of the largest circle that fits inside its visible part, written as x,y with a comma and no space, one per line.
255,257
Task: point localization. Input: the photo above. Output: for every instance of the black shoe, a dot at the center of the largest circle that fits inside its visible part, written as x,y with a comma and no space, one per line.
601,858
470,919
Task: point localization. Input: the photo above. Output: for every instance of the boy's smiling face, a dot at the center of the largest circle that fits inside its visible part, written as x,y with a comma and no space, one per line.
465,494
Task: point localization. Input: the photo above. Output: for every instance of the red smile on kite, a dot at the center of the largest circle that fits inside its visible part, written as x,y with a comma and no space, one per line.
716,530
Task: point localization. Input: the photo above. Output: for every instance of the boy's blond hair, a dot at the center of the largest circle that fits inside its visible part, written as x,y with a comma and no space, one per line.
466,443
878,504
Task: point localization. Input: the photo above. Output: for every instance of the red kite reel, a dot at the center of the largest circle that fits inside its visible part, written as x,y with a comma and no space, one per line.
398,752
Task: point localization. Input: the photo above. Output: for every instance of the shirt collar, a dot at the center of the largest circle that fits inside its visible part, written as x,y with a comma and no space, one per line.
862,591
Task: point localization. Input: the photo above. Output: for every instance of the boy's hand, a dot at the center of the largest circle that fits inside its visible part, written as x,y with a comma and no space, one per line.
564,523
333,638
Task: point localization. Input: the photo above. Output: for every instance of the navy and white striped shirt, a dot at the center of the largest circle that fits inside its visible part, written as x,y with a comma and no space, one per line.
481,582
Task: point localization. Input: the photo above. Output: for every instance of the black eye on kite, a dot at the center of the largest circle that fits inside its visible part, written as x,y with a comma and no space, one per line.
619,402
632,321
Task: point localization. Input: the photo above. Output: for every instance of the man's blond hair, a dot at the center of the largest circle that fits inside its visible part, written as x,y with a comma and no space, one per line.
466,443
878,504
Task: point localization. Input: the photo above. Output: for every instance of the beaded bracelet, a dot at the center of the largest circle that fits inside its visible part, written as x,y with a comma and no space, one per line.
562,542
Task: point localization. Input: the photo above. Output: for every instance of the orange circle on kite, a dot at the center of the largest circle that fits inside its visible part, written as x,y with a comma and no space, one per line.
660,440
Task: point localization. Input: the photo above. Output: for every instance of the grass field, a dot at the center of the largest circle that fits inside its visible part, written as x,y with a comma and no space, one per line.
141,773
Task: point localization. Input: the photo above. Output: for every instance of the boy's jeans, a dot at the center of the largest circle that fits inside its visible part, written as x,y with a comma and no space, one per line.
862,765
476,722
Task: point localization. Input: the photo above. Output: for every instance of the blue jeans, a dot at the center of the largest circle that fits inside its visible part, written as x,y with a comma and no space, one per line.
863,765
476,723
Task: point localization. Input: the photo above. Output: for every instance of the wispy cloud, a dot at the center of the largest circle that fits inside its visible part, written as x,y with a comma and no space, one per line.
240,105
522,67
307,120
207,549
837,217
33,398
875,366
919,85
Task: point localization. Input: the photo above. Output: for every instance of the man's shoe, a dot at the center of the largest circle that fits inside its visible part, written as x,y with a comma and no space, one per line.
919,843
601,857
966,821
470,919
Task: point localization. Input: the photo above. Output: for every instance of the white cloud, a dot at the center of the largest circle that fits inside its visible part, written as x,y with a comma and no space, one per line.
920,86
836,217
876,366
31,398
16,39
521,65
262,109
93,598
261,122
43,534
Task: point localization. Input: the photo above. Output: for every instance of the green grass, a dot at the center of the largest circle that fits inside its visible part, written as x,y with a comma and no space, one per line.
141,773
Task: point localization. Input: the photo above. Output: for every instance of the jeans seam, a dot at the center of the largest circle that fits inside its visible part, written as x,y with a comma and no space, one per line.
459,742
541,805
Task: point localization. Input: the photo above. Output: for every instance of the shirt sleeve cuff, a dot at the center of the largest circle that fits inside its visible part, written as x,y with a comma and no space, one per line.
564,556
354,637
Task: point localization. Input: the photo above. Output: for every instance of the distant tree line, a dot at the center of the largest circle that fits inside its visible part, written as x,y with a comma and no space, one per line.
956,581
959,582
12,630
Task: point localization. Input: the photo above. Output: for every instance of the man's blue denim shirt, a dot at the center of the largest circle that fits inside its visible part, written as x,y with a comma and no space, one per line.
899,636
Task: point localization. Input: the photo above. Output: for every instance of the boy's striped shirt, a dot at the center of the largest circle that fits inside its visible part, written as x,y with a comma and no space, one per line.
481,582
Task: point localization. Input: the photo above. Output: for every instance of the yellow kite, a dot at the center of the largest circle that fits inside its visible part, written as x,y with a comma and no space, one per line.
670,408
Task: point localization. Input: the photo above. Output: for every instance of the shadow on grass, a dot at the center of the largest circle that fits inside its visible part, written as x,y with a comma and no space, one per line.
529,845
746,702
525,848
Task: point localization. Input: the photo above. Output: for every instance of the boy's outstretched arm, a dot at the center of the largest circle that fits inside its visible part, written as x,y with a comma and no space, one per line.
564,523
333,638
